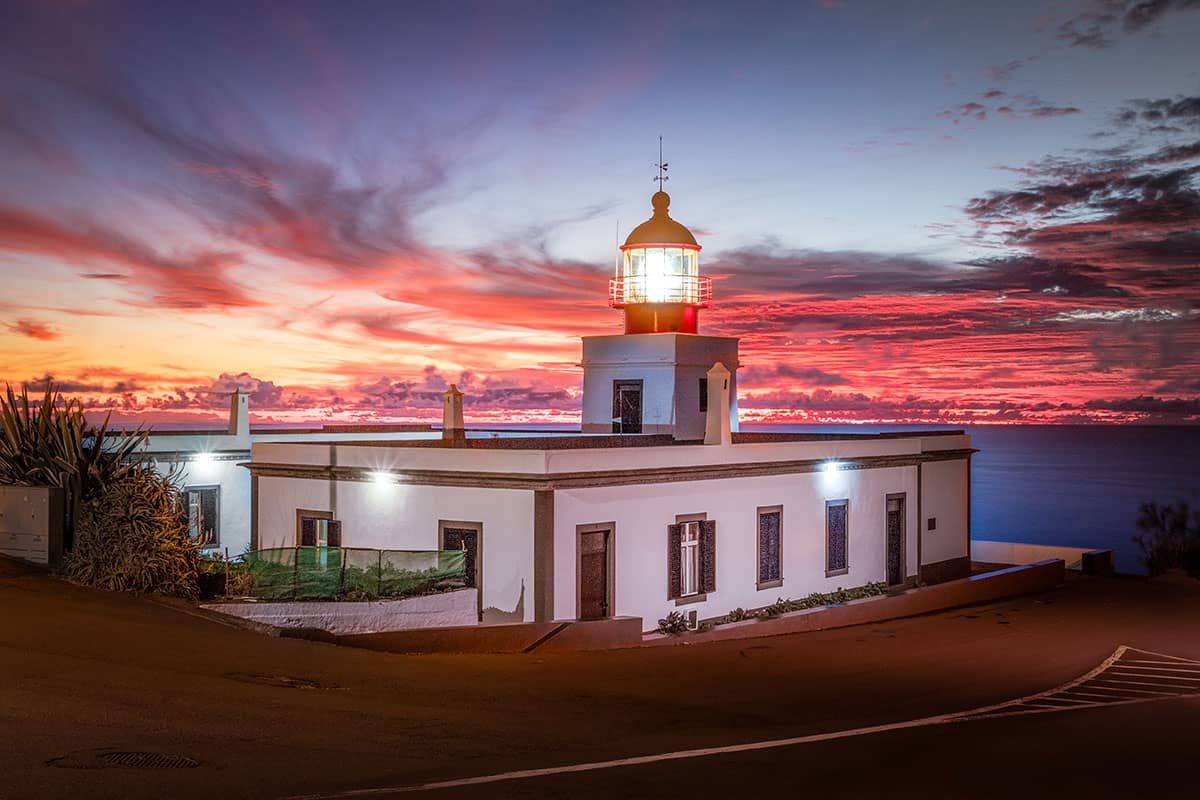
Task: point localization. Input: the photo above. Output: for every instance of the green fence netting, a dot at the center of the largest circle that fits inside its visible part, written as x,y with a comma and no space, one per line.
351,573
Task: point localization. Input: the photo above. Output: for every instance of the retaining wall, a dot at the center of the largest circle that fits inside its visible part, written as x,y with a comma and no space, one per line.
603,634
990,552
1039,577
458,608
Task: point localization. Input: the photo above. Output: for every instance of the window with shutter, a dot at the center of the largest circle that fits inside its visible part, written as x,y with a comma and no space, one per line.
317,529
708,555
837,547
308,532
674,562
770,547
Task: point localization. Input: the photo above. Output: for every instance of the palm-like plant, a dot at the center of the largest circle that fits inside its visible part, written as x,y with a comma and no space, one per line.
51,443
1169,536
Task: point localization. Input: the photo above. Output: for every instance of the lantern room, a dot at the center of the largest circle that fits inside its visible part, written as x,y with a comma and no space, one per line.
659,286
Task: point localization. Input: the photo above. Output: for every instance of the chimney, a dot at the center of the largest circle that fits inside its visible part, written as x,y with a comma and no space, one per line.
239,415
452,414
716,423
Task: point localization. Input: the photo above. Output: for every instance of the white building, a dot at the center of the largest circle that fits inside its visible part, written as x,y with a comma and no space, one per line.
659,504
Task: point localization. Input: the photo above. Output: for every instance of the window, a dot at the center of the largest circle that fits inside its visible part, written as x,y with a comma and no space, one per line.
837,558
318,529
704,395
689,559
692,559
204,515
770,547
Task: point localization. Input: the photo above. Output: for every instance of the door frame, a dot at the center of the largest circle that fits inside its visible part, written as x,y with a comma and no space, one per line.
478,528
610,567
903,498
641,390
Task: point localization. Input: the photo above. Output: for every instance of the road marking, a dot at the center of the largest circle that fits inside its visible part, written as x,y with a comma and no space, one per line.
1125,690
1033,704
1129,683
1153,670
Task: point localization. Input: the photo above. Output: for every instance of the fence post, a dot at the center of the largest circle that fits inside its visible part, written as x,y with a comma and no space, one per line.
379,576
226,572
342,574
295,571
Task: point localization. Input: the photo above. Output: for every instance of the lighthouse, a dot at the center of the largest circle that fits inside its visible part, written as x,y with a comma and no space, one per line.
653,377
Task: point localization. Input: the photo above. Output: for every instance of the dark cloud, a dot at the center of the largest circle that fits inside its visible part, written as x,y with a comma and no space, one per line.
1002,72
1163,115
1133,212
1178,406
1021,106
808,376
1098,28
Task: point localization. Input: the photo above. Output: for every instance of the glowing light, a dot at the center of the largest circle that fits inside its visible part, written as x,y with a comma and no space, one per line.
202,459
832,466
382,478
656,276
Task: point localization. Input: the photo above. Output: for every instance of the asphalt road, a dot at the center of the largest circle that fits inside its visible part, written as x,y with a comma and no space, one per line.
85,672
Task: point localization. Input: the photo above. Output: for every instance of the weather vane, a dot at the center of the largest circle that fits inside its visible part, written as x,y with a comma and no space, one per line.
662,167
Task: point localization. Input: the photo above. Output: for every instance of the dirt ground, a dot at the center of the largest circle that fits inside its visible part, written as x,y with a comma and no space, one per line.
82,670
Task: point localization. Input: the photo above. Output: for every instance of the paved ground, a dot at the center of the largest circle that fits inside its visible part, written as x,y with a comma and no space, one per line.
83,672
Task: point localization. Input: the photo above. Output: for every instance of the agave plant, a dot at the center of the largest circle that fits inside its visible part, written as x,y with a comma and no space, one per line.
134,537
51,443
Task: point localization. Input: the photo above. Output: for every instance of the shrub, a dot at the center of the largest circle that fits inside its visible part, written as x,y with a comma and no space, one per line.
818,599
133,536
51,443
1169,537
673,623
739,614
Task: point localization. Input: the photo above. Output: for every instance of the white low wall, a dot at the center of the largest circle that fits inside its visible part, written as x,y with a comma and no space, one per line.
429,611
1021,553
31,523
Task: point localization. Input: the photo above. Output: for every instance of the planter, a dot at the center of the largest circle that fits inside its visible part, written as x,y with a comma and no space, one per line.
212,584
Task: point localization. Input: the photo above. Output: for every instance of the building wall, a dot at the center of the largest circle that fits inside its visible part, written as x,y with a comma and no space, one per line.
642,513
669,365
234,502
392,516
695,356
945,499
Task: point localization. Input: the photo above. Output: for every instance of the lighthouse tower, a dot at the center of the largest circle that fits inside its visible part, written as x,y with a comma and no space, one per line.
653,378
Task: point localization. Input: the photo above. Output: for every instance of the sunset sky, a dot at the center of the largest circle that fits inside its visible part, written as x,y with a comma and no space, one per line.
951,212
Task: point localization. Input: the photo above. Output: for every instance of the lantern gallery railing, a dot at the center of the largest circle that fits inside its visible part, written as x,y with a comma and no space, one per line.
693,290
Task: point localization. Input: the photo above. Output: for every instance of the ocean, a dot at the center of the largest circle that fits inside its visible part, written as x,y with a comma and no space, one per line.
1076,485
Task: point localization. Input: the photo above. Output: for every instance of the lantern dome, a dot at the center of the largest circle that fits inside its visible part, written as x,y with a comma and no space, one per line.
660,228
659,284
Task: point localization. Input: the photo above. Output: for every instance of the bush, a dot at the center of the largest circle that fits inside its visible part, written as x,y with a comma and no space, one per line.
133,536
51,443
673,623
738,614
818,599
1169,536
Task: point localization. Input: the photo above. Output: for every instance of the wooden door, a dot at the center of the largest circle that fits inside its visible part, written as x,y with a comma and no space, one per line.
593,575
895,540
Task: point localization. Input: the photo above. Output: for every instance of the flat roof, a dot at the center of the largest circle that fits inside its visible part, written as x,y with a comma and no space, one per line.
580,441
